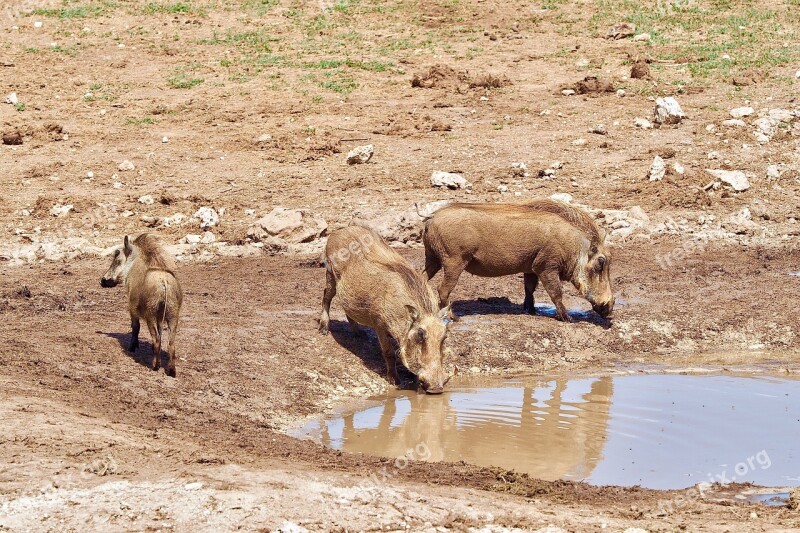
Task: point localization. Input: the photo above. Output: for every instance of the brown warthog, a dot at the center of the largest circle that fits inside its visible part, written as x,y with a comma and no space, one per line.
379,289
154,294
546,240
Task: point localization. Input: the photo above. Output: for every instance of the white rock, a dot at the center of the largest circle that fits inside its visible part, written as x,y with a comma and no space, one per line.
126,165
451,180
657,169
193,486
502,188
599,129
713,155
90,174
563,197
174,220
568,92
264,137
249,212
579,142
192,238
291,527
165,139
767,126
668,111
637,213
782,115
289,225
59,210
642,123
773,172
621,92
734,123
642,37
760,137
208,217
146,200
208,238
556,164
12,99
38,24
740,112
711,128
360,154
735,179
678,168
117,185
797,74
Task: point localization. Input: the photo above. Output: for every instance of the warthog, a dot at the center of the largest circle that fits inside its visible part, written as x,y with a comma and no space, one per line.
546,240
154,294
378,288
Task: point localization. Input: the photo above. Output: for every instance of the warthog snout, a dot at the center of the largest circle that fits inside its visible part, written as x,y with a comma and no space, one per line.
107,283
603,309
433,386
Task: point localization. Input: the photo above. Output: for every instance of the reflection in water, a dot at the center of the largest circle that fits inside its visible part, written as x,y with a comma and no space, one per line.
551,429
660,431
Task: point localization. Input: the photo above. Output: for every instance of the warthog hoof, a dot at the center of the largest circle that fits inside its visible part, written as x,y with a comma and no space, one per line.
171,372
529,307
323,329
564,317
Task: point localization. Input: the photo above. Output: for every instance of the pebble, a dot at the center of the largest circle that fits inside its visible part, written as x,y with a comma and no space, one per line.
678,168
126,165
208,217
502,188
713,155
734,123
735,179
146,200
642,123
451,180
264,137
657,169
599,129
165,140
773,171
740,112
12,99
563,197
59,210
668,111
642,37
360,155
568,92
579,142
90,174
38,24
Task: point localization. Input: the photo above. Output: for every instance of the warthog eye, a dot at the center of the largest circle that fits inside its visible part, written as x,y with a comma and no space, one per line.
421,335
601,264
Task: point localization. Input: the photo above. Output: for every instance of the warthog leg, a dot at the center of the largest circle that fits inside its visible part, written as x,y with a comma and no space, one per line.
531,281
388,350
155,334
172,326
330,292
134,334
452,270
552,284
354,326
432,263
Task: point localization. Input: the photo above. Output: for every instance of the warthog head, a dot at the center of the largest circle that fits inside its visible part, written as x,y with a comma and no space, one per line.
424,348
122,259
593,278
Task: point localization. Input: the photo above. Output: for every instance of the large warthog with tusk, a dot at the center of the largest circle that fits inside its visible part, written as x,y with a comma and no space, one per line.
545,240
154,294
378,288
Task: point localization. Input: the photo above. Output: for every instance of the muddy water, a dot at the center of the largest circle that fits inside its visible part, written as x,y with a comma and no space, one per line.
659,431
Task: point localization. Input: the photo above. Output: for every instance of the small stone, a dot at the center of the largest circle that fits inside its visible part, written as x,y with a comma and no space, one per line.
287,226
208,238
773,172
599,129
263,138
38,24
642,123
484,98
360,155
713,155
568,92
740,112
192,238
165,140
12,139
90,174
668,111
59,210
451,180
734,123
193,486
556,164
657,169
637,213
678,168
621,92
711,128
208,217
735,179
563,197
126,165
797,74
642,37
117,185
12,99
146,200
579,142
620,31
502,188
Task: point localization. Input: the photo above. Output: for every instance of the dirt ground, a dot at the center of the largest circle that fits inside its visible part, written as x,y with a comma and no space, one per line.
259,102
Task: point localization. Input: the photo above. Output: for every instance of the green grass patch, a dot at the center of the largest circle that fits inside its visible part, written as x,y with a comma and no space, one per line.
140,121
95,9
181,80
170,8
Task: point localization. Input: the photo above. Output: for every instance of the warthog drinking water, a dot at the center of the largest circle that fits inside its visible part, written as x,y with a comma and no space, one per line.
546,240
154,294
381,290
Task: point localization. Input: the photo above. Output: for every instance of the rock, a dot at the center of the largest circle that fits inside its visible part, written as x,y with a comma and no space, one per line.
741,223
450,180
38,24
734,123
126,165
12,139
164,140
59,210
208,217
12,99
621,92
767,127
638,214
678,168
642,37
563,197
191,238
290,225
290,527
556,164
621,31
502,188
146,200
713,154
740,112
568,92
174,220
208,238
782,115
773,172
657,169
668,111
579,142
360,155
735,179
520,170
617,224
599,129
642,123
264,138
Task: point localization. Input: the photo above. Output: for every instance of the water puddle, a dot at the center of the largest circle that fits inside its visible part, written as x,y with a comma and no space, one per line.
661,431
773,499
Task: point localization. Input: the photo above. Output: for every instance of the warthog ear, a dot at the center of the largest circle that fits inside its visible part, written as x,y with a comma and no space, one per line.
444,315
127,246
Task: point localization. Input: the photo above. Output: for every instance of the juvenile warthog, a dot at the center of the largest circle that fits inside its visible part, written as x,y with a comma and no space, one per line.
546,240
154,294
381,290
